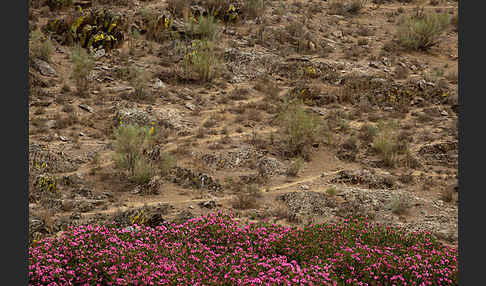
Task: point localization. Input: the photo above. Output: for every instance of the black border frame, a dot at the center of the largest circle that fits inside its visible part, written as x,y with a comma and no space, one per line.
15,119
15,86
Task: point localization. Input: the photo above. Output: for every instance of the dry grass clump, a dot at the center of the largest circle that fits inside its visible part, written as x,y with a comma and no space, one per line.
40,47
341,7
294,167
390,145
139,80
253,8
178,7
130,143
421,31
247,198
83,63
299,128
203,61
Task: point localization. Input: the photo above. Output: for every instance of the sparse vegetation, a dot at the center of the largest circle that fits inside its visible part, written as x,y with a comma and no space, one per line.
139,82
421,32
386,144
247,197
202,61
294,167
82,66
253,8
130,143
400,205
299,129
40,46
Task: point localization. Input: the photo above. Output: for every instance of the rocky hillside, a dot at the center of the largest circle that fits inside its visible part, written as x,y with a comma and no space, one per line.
294,112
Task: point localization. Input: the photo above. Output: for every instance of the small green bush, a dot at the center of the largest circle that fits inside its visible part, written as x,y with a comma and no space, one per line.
299,128
386,144
247,198
83,63
253,8
130,142
294,167
39,47
202,61
166,163
341,7
208,28
216,7
139,81
356,5
421,32
177,7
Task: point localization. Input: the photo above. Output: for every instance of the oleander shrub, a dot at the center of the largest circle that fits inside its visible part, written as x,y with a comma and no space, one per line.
217,250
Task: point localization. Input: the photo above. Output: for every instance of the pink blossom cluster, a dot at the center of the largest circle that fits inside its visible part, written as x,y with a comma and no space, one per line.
216,250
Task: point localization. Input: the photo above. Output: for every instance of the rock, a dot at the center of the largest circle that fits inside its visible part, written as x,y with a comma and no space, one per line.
312,46
270,166
189,179
159,84
306,203
209,204
182,217
337,34
190,106
374,65
304,187
99,53
173,119
84,206
67,205
134,116
43,67
86,107
119,88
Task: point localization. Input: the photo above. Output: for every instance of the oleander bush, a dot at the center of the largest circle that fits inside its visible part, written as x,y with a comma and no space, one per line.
217,250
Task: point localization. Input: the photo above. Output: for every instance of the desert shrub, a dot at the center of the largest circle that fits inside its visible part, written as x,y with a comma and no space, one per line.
178,7
253,8
63,122
202,61
422,31
331,191
139,81
216,7
239,94
299,128
368,132
157,28
356,5
40,47
342,7
247,198
58,4
143,171
294,167
130,143
386,144
82,66
208,28
400,205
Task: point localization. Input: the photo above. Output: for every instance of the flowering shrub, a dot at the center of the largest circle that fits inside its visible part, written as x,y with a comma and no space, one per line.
216,250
